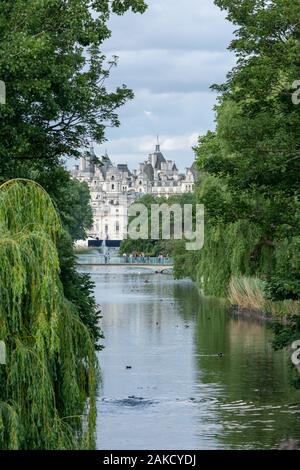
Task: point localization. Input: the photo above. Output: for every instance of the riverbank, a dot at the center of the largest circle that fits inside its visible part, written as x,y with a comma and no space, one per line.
250,314
249,294
248,300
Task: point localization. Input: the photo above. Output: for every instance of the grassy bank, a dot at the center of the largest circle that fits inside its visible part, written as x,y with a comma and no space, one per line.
249,293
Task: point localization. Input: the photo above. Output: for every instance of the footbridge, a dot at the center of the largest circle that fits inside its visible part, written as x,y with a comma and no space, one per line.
158,264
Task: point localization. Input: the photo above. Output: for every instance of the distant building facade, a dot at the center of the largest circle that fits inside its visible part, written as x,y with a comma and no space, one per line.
114,188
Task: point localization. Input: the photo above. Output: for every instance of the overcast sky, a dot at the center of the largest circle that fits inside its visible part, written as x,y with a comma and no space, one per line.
169,56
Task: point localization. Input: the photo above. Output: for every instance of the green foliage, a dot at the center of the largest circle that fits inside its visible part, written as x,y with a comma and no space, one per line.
57,101
156,247
148,247
71,197
250,165
284,281
55,73
250,169
77,214
286,333
185,262
78,288
47,392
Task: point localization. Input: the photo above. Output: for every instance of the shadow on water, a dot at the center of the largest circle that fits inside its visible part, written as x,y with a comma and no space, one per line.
180,372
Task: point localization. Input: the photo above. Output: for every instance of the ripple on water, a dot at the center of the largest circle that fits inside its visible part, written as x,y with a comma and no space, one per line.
129,402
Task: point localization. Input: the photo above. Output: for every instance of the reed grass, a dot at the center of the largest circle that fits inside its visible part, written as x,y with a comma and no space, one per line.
249,293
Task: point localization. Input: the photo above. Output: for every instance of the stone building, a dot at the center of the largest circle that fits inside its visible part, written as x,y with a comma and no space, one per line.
114,187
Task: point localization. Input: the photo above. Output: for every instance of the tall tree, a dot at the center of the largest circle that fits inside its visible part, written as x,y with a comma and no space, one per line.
252,160
55,73
47,386
57,101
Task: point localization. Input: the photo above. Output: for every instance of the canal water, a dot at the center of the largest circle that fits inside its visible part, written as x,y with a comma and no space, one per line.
164,384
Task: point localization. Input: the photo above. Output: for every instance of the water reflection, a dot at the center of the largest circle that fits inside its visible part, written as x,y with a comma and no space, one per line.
257,405
179,391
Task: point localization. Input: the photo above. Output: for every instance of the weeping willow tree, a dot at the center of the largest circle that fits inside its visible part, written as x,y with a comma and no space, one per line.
233,247
229,251
232,250
47,387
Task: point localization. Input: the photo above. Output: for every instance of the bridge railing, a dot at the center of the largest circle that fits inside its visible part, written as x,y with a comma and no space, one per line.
123,260
145,260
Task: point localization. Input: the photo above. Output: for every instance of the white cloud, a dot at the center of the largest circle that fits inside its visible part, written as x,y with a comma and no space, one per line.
170,56
177,24
164,71
169,143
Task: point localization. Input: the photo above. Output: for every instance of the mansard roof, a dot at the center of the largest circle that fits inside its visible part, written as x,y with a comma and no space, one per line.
123,167
149,172
160,159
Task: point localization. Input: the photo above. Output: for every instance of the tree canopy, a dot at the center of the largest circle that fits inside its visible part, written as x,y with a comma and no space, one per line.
55,72
250,164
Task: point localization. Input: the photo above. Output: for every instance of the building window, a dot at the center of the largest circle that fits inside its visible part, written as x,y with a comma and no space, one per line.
112,186
117,227
112,178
